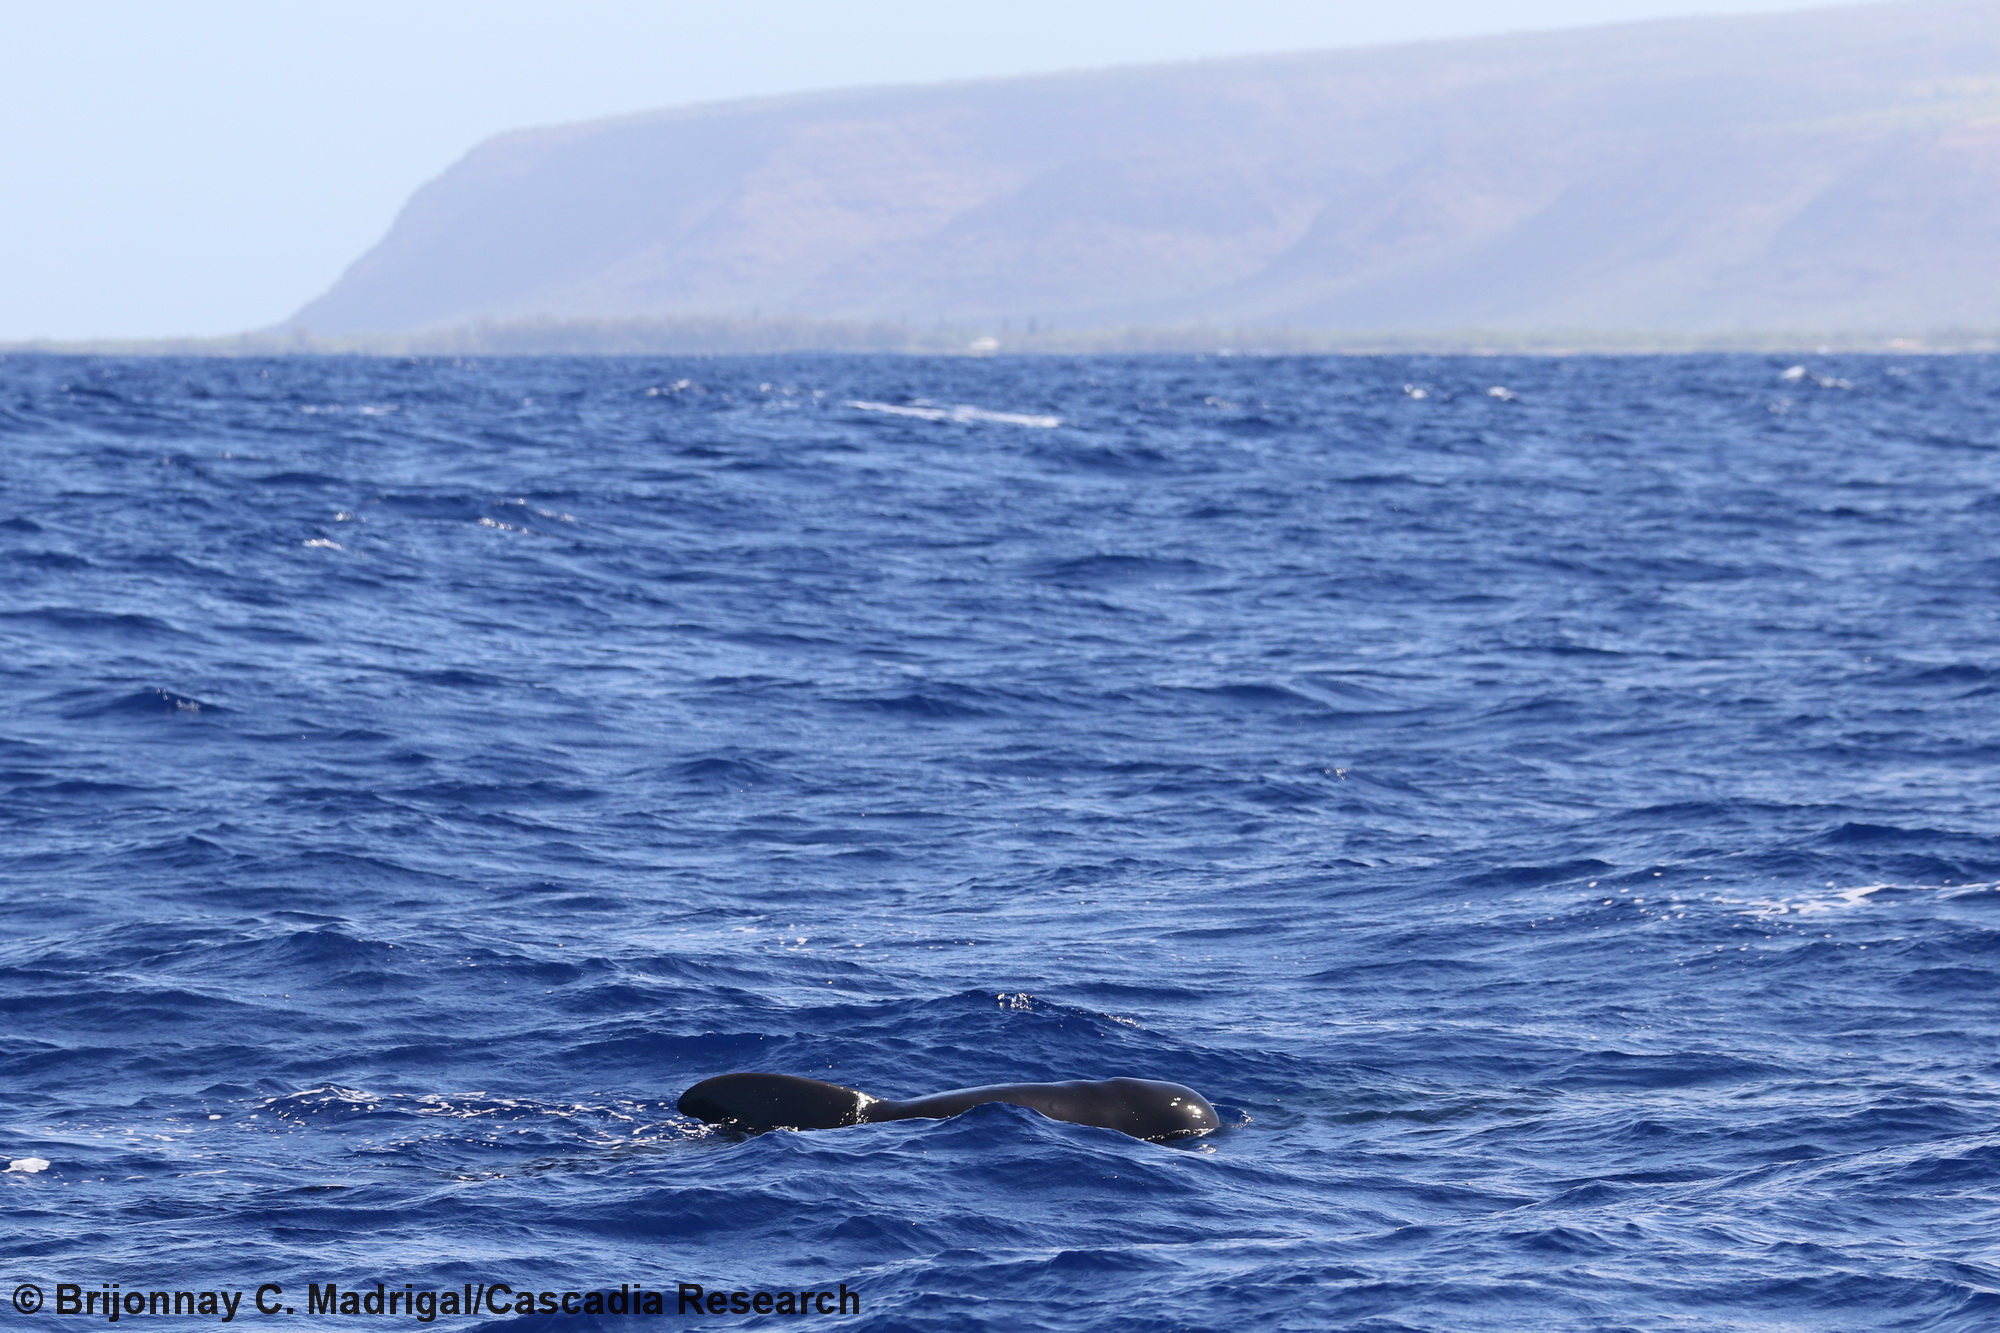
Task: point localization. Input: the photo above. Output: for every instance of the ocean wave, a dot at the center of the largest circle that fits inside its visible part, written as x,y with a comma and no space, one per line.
1552,831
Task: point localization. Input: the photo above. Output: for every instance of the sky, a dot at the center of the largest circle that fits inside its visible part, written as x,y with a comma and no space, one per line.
207,166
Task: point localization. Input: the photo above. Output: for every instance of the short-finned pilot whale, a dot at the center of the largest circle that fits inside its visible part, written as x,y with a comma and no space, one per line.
1141,1107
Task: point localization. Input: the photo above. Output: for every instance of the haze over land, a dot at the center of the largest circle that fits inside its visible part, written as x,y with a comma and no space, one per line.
1833,169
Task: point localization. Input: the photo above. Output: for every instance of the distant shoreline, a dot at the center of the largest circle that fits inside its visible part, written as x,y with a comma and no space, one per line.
728,336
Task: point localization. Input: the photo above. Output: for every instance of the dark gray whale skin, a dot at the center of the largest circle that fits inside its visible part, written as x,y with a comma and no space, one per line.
753,1103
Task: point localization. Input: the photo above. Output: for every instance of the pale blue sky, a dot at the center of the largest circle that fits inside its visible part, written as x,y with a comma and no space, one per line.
206,166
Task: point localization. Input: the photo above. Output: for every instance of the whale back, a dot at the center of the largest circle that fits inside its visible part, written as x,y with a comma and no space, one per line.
1143,1108
753,1103
757,1102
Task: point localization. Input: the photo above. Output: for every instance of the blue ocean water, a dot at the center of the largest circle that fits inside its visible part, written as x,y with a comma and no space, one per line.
1546,804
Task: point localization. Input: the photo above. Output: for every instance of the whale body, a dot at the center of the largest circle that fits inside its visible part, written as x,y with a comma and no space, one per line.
753,1103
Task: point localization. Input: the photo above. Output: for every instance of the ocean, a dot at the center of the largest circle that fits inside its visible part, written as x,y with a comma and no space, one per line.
1545,803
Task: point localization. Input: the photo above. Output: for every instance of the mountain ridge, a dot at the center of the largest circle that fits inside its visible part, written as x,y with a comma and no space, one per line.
1830,168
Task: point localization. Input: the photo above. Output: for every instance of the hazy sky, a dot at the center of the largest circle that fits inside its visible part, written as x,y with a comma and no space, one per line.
206,166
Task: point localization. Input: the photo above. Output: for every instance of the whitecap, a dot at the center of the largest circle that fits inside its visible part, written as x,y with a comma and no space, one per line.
1840,898
961,413
28,1165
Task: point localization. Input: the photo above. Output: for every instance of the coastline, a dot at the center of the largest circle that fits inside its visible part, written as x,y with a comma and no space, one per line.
731,336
